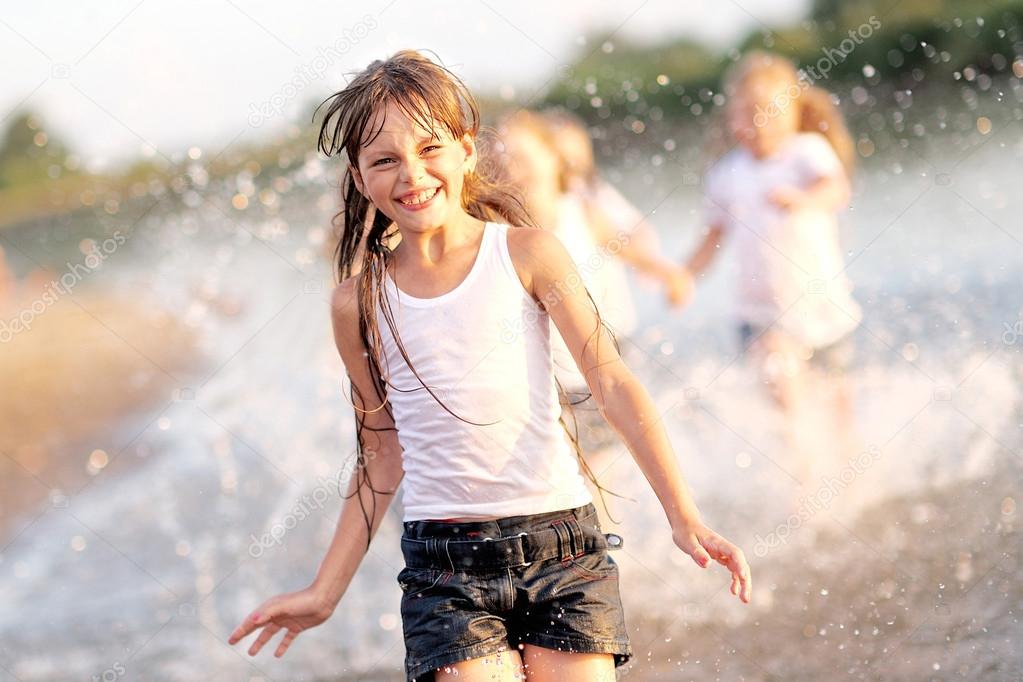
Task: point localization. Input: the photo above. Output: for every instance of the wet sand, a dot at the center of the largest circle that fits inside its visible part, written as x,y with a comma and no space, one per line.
931,590
78,368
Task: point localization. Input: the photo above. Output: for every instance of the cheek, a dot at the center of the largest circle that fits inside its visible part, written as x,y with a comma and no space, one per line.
379,187
448,169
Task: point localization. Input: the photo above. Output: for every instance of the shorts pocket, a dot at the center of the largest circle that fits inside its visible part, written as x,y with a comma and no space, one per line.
416,581
594,566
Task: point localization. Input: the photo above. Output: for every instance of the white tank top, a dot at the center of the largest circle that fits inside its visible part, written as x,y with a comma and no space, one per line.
484,349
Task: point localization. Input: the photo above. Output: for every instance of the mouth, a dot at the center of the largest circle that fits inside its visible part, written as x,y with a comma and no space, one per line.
419,200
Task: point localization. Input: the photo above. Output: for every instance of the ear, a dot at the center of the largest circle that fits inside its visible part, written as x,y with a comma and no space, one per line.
471,153
357,178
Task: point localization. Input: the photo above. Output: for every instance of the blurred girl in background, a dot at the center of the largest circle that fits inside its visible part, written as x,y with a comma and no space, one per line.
610,214
550,159
776,195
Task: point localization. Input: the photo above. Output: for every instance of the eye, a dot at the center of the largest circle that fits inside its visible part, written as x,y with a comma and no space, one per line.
431,148
381,160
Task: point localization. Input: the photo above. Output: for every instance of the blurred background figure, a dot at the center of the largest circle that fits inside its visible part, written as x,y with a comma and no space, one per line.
776,194
550,160
614,221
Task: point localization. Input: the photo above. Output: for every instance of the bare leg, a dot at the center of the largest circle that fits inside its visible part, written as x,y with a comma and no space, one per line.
504,666
551,665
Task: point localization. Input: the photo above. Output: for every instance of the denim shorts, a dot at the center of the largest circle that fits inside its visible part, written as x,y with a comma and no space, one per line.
472,589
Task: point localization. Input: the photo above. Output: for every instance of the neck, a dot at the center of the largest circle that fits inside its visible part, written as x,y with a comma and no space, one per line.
433,245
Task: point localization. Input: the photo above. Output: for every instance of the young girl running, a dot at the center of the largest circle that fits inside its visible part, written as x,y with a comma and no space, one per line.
776,195
507,571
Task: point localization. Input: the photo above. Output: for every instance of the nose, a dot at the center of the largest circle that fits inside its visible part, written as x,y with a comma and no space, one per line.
411,170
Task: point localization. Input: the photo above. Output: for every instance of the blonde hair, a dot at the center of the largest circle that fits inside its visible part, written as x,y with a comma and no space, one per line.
817,111
562,121
539,127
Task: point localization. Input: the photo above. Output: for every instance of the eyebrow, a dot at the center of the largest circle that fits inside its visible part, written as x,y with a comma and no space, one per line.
420,139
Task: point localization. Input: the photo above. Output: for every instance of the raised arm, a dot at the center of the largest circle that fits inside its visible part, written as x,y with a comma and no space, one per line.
549,274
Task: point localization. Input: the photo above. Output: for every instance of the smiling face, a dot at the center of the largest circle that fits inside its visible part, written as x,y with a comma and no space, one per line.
413,175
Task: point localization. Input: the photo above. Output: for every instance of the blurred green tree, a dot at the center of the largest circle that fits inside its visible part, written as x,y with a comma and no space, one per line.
29,152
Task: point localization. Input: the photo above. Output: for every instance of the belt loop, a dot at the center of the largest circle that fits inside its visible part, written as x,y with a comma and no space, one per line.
447,553
564,540
578,546
431,550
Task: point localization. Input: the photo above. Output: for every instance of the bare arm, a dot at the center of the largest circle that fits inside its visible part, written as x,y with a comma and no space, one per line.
621,245
621,399
677,281
706,251
826,193
381,451
829,192
306,608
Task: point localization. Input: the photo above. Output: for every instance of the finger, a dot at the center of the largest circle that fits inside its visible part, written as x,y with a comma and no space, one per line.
268,632
715,547
694,549
747,586
285,643
700,556
740,570
250,623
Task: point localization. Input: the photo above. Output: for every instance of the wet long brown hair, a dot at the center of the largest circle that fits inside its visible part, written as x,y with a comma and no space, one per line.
432,96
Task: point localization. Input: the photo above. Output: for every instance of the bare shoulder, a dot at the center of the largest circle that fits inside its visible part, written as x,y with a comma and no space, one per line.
531,237
538,255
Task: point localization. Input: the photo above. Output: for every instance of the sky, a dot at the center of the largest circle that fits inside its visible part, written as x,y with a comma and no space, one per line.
120,78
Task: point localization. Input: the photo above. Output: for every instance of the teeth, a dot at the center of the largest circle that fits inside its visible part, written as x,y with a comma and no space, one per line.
420,198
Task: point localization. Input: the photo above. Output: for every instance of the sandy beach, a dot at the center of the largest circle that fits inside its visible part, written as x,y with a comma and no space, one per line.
78,368
876,607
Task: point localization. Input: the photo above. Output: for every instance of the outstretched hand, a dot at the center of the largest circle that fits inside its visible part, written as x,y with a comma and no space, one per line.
294,611
703,545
